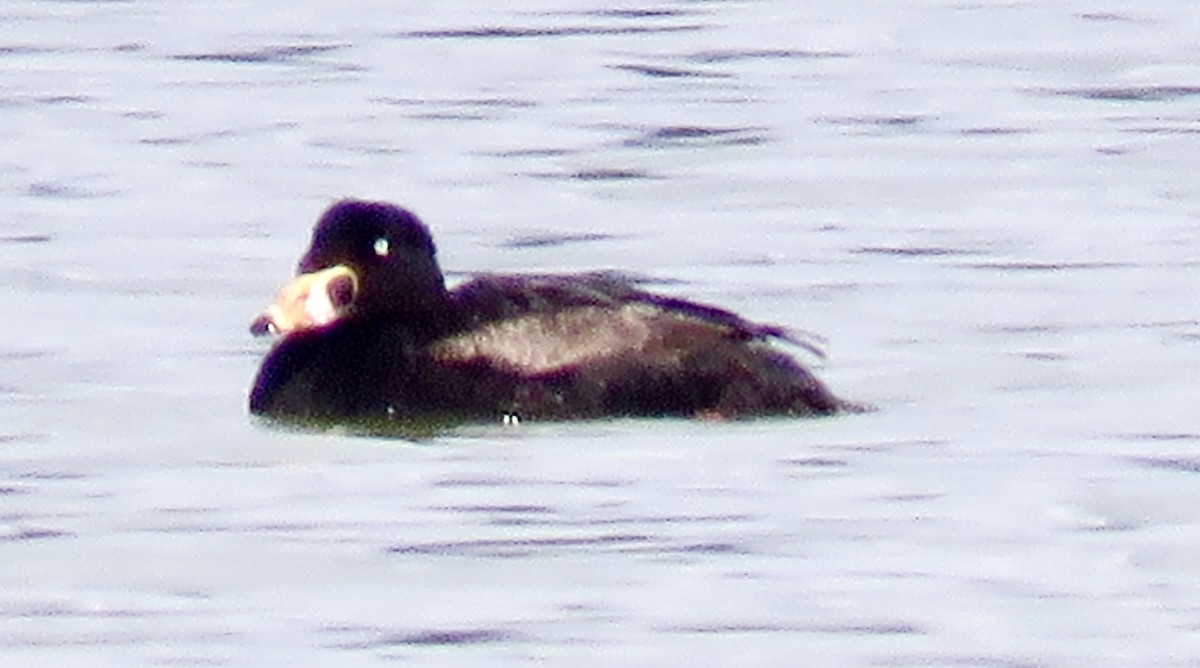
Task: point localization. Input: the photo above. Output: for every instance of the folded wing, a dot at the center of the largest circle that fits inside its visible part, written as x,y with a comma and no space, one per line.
533,325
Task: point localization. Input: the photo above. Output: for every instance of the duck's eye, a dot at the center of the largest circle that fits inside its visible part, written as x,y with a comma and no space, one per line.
382,247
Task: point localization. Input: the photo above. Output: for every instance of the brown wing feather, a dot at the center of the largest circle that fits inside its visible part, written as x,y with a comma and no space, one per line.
548,328
544,342
497,298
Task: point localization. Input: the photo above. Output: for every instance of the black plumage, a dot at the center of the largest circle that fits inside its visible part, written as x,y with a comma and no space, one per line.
369,330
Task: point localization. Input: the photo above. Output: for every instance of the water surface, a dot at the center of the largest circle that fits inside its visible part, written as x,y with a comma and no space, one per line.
988,208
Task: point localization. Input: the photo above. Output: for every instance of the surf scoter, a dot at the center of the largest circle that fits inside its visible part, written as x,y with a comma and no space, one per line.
369,330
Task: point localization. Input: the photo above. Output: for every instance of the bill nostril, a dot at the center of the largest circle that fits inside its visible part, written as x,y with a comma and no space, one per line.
341,291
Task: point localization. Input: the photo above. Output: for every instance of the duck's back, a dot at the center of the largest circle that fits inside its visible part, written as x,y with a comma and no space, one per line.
594,344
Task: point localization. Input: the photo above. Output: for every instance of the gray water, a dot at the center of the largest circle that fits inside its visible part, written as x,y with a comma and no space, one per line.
989,210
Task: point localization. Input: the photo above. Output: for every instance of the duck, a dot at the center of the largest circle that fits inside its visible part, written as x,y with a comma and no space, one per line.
368,329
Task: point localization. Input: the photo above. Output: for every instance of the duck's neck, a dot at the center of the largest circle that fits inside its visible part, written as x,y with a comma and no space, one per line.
435,316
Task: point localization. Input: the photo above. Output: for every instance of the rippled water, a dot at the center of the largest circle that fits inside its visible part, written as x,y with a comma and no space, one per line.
988,208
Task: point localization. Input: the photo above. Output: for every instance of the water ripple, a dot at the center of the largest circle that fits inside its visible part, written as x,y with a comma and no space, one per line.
267,54
427,638
731,55
1129,93
529,32
517,547
662,72
692,136
555,239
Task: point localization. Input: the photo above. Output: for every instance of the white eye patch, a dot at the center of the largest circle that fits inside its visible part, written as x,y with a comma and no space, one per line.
382,247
